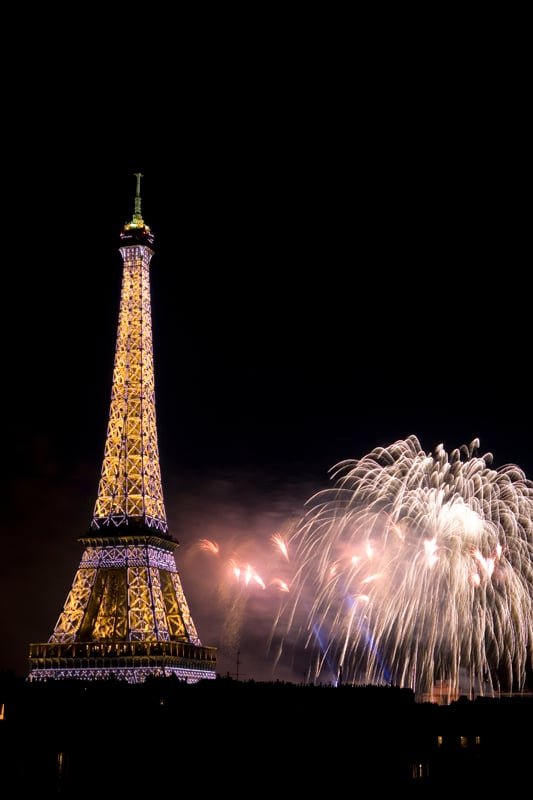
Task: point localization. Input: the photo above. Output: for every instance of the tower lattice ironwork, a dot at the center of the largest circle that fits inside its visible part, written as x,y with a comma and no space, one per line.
126,615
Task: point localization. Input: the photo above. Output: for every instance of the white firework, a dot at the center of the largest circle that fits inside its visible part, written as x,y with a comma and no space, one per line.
417,570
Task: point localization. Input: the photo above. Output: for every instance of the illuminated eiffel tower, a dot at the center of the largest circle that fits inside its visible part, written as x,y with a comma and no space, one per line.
126,615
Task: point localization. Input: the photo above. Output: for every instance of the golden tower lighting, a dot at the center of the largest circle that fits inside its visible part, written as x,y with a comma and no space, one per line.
126,616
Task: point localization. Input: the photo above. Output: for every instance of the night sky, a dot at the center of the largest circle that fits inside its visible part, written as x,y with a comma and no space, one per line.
325,280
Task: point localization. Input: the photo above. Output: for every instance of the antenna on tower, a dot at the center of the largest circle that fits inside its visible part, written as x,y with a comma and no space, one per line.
138,175
137,231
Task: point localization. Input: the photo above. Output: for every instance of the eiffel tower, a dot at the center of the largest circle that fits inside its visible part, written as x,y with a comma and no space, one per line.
126,616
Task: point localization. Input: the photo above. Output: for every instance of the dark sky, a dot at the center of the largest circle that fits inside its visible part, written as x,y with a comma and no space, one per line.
332,272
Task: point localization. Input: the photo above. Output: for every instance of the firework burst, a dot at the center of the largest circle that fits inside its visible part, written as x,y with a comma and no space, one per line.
246,581
416,570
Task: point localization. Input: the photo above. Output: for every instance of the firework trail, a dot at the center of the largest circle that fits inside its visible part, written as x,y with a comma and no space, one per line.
239,581
416,570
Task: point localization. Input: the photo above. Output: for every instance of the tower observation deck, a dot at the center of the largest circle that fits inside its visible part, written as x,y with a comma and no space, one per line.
126,616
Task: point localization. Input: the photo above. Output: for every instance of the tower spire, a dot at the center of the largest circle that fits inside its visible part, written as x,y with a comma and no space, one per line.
137,217
137,229
126,615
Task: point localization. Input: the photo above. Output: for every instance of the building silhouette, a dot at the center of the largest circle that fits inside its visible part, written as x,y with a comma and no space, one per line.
126,615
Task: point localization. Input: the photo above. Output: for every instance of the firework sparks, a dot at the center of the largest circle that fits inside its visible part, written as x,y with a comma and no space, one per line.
417,569
282,586
279,542
209,546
